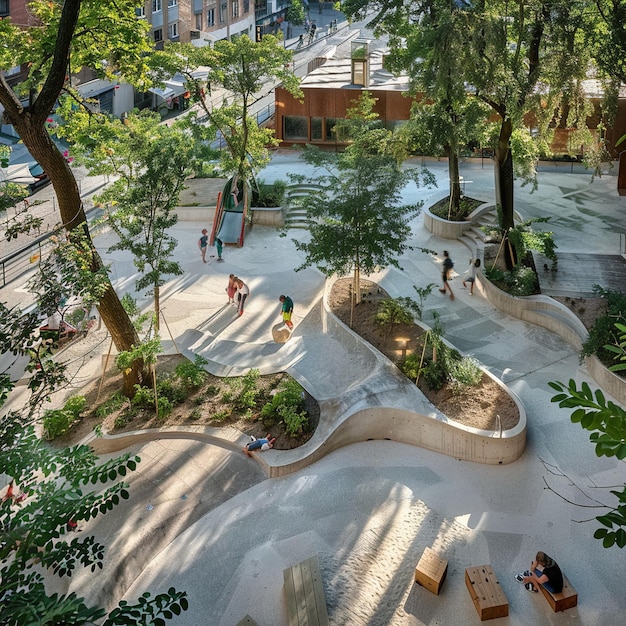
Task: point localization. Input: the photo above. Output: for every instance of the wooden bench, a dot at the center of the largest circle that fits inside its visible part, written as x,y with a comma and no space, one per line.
486,593
567,599
431,571
306,602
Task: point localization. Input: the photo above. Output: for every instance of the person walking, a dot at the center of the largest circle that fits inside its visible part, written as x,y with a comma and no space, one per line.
219,246
469,276
286,310
231,288
203,242
448,265
243,291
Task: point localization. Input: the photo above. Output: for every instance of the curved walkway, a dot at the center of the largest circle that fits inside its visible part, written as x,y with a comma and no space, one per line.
369,509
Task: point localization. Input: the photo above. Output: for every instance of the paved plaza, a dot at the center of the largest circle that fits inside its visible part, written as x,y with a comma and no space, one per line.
204,518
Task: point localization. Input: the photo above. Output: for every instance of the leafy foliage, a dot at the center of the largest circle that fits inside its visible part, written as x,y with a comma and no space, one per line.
357,222
286,406
604,332
396,311
58,421
606,421
520,281
244,390
265,195
192,375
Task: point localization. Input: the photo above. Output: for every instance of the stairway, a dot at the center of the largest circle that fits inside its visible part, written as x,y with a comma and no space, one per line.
295,213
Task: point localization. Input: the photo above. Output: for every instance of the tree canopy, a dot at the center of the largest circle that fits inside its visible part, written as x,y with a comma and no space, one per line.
358,223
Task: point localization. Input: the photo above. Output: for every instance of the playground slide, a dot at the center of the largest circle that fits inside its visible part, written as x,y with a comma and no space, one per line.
228,225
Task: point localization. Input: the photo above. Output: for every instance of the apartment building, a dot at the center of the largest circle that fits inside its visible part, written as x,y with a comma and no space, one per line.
197,21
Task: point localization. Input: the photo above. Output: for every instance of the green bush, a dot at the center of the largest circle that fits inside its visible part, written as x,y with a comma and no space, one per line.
112,404
221,416
143,398
286,405
165,407
57,422
244,391
171,389
393,311
409,366
465,372
435,374
269,195
192,375
520,281
604,332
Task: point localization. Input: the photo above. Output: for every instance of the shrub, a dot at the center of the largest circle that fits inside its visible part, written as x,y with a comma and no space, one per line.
465,372
269,195
143,398
286,405
165,407
244,391
122,420
409,366
57,422
192,375
435,374
604,331
112,404
170,389
520,281
396,311
221,416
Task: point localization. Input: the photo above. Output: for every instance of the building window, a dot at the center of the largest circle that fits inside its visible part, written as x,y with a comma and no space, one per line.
210,17
235,8
172,3
4,7
198,17
316,128
157,5
296,127
139,11
158,34
223,11
246,6
330,129
172,30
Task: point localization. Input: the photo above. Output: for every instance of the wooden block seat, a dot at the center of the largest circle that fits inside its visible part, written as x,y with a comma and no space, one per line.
431,571
306,602
566,599
486,593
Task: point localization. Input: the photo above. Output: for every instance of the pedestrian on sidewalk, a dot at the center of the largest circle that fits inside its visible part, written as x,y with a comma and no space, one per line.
243,291
231,288
448,266
469,276
286,310
203,242
219,246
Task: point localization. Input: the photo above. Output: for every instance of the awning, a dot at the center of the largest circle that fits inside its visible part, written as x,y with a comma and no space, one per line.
171,89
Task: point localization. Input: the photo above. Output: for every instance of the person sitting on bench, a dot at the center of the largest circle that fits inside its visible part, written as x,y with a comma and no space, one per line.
543,571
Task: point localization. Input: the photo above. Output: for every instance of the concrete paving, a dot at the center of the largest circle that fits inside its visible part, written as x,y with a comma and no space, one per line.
369,509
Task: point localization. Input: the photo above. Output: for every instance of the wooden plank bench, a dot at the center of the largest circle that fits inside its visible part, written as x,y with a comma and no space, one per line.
486,593
306,602
567,599
431,571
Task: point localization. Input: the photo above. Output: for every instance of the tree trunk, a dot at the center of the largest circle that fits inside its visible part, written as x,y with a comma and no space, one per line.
43,149
503,164
455,181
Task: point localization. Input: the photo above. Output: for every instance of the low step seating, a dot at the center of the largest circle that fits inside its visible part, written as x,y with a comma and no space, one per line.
486,593
306,602
567,599
431,571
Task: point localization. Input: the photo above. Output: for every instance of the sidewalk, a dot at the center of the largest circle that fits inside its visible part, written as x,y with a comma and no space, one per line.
369,509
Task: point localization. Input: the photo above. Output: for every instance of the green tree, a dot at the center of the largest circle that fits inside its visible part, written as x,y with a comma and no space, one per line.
295,12
151,162
358,223
246,70
53,486
607,423
103,35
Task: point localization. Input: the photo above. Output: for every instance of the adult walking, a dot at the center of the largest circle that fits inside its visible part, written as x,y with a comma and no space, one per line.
448,265
287,310
243,291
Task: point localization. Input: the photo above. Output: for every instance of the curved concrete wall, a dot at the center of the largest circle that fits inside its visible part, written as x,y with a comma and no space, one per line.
611,383
444,228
